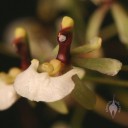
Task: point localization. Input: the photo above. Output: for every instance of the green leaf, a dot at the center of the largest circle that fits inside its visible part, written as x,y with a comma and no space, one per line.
82,94
59,106
94,44
103,65
121,20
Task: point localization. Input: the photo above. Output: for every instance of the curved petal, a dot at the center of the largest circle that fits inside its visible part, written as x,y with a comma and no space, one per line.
103,65
80,72
8,96
121,21
41,87
95,22
94,44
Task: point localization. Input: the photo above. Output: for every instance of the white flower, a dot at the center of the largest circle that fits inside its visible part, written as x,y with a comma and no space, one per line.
8,95
42,87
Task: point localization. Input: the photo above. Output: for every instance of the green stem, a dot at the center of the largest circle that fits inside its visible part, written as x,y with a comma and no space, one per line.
100,80
78,116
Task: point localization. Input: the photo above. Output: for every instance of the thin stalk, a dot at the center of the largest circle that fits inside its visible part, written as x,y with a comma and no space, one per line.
122,83
78,117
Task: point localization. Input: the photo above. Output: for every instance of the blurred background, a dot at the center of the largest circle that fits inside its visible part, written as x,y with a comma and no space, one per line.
41,18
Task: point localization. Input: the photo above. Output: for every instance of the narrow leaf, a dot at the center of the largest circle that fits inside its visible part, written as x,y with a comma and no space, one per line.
82,94
103,65
59,106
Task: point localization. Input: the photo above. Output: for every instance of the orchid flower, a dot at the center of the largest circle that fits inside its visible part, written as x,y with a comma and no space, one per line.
42,87
59,78
56,82
8,95
108,66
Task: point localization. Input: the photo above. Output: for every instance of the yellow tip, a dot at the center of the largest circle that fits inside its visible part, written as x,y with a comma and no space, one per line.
20,32
67,22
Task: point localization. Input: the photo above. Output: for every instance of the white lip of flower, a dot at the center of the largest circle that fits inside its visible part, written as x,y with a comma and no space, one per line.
8,95
42,87
62,38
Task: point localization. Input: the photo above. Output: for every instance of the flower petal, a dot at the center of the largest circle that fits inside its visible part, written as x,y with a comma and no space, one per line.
95,22
41,87
80,72
104,65
121,21
8,95
94,44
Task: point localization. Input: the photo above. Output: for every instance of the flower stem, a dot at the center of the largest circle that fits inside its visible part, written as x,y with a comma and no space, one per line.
122,83
78,117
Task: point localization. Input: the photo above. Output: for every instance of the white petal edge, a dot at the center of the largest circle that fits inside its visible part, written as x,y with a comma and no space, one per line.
8,95
80,71
41,87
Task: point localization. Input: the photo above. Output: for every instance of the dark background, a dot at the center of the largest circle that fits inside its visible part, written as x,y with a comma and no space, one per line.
11,10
